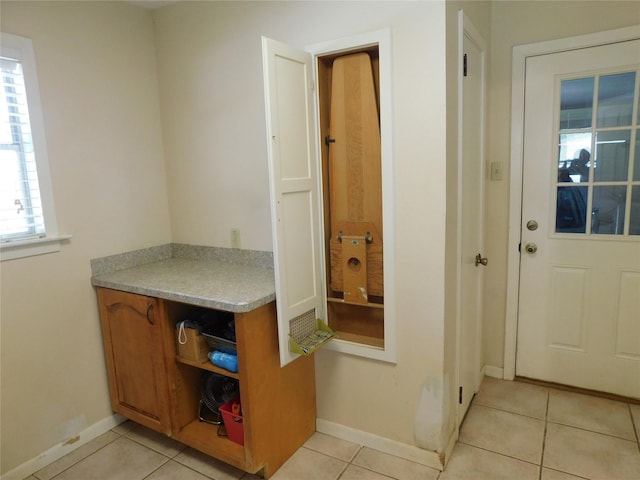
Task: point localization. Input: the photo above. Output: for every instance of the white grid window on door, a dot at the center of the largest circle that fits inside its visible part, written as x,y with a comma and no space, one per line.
598,163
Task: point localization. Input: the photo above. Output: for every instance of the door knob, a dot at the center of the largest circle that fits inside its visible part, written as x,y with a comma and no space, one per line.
480,260
531,247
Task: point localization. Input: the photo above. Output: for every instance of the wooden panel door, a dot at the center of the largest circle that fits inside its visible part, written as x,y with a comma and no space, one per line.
131,329
293,172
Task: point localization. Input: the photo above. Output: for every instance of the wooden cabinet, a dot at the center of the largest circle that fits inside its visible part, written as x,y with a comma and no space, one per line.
132,333
153,386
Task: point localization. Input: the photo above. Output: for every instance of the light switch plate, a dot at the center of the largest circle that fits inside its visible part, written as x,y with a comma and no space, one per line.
496,170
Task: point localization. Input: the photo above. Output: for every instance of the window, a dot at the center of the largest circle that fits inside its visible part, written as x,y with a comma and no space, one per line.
27,215
598,185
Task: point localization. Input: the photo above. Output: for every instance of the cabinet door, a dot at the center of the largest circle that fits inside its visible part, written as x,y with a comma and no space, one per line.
293,171
131,328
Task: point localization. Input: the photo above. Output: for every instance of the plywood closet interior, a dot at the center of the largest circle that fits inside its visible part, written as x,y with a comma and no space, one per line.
349,120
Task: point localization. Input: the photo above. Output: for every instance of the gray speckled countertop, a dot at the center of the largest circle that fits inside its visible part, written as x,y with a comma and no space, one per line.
224,279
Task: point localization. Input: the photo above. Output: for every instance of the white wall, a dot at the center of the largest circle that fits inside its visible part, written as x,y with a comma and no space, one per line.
517,23
210,74
97,75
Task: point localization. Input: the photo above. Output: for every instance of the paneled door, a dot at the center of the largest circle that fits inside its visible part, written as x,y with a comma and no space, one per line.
579,307
293,170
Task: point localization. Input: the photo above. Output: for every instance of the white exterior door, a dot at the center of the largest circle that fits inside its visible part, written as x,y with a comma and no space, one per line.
579,308
293,171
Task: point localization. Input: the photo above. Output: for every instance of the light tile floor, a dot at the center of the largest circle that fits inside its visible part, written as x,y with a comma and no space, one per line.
512,431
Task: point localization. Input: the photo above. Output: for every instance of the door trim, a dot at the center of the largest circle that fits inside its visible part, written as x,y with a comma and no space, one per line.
520,54
383,39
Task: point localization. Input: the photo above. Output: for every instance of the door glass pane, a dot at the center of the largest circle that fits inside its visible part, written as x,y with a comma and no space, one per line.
571,209
634,224
573,157
612,155
636,163
638,119
576,103
615,99
608,210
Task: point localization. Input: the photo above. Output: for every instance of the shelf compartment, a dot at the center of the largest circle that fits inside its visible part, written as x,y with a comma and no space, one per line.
357,323
344,302
207,366
360,339
204,437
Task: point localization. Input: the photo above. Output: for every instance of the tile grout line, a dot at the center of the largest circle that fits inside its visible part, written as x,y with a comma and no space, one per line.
158,467
636,428
544,434
518,414
120,435
142,444
340,475
565,473
498,453
590,428
510,411
617,437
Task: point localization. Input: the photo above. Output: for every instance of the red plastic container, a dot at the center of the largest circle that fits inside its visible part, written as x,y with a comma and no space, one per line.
233,421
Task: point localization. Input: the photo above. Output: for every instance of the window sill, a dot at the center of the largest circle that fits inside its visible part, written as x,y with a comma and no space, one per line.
31,247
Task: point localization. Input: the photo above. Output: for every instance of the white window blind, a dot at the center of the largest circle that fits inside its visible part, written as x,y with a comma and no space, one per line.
21,215
28,224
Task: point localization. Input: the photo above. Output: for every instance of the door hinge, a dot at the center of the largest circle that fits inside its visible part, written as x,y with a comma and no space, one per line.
460,395
464,65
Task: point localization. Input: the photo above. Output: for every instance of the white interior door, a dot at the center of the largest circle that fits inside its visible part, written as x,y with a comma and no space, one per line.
578,320
293,170
472,95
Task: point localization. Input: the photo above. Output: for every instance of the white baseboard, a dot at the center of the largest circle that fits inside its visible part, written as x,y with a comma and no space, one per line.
495,372
58,451
386,445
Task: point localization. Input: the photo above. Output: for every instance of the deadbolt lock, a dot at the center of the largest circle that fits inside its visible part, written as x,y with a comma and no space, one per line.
531,247
532,225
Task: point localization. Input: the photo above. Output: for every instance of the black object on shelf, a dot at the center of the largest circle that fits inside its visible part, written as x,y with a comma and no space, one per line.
216,390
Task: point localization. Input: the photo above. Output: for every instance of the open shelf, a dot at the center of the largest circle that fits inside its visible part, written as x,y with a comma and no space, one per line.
343,302
361,339
357,323
207,366
204,437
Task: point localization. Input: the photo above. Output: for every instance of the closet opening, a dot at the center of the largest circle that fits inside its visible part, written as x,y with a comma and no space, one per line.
351,163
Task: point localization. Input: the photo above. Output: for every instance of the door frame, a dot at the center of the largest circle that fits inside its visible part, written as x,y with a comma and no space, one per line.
381,38
520,55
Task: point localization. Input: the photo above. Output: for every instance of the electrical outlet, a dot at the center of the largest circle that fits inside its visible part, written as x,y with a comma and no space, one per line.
235,238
